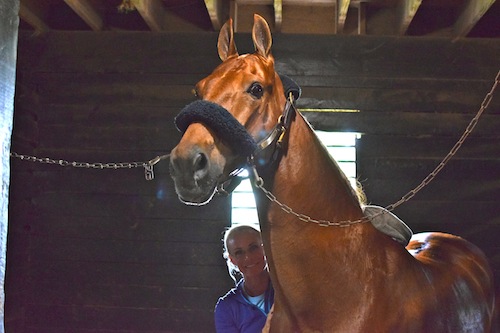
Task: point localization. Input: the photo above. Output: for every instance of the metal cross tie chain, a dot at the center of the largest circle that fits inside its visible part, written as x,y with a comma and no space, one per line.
259,182
148,165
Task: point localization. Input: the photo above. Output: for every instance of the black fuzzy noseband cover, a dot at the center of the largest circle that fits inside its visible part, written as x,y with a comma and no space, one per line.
219,120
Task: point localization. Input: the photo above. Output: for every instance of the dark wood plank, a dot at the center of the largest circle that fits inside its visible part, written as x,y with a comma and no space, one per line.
137,228
396,100
83,52
113,137
419,168
461,213
127,296
387,190
169,275
137,206
117,319
120,115
386,57
129,251
363,55
400,123
415,147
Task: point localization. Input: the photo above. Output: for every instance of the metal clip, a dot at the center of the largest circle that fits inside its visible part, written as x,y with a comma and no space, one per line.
148,166
155,160
148,171
279,143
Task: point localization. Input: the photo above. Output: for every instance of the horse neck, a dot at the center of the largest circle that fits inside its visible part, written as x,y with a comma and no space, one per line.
304,256
308,179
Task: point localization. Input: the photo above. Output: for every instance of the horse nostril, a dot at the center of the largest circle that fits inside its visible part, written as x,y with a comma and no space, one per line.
200,163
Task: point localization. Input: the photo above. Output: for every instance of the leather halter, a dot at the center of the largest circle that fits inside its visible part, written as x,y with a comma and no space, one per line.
269,149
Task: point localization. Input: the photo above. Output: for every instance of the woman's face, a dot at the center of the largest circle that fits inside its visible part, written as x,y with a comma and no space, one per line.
246,252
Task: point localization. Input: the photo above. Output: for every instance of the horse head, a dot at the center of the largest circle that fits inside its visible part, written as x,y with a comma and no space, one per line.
239,103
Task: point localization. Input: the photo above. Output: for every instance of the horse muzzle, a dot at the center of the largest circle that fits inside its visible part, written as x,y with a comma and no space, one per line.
198,162
194,174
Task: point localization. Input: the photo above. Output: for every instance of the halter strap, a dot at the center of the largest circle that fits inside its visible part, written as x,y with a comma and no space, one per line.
268,150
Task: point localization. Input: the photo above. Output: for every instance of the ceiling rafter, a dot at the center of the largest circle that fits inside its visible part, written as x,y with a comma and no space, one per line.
471,14
158,18
214,11
278,14
361,19
342,8
32,13
152,12
406,12
86,10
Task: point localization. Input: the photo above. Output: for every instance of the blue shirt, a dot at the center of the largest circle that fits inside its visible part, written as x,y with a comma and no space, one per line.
235,314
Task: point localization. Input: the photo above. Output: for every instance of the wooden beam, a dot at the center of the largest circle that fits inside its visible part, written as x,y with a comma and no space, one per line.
32,13
254,2
153,13
471,14
159,19
278,14
361,18
86,10
342,8
406,12
214,11
310,2
233,13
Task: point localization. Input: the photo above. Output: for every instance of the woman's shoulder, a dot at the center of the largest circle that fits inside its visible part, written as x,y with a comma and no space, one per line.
233,295
233,292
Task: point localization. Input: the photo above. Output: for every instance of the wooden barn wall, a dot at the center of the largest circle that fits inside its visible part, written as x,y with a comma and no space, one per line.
93,250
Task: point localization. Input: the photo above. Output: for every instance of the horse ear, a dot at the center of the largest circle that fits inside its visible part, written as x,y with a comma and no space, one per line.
261,35
225,44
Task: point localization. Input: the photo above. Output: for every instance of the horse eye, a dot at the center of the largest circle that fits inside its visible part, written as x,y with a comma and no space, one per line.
256,90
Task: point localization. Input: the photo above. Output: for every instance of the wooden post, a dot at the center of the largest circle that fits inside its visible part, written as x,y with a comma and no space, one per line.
9,22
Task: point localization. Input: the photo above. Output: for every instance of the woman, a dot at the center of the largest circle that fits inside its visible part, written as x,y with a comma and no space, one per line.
245,307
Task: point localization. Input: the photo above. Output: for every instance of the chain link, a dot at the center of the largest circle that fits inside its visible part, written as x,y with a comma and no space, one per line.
259,183
147,165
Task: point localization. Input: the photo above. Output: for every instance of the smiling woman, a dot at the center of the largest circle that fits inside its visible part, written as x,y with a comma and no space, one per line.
245,307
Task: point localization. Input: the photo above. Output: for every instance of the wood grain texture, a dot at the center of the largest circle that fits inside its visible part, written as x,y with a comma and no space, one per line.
108,251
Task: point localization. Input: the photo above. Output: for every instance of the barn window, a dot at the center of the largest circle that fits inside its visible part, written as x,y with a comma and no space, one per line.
340,145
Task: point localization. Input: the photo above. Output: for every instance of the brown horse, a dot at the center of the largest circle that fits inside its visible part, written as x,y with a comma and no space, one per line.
331,271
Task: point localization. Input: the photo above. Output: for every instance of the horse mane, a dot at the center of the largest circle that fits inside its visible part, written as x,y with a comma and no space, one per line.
360,193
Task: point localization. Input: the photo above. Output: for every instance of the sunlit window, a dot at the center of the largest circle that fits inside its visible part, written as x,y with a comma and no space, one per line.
340,145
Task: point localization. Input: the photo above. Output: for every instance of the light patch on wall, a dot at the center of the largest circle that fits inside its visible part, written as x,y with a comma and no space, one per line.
330,110
340,145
